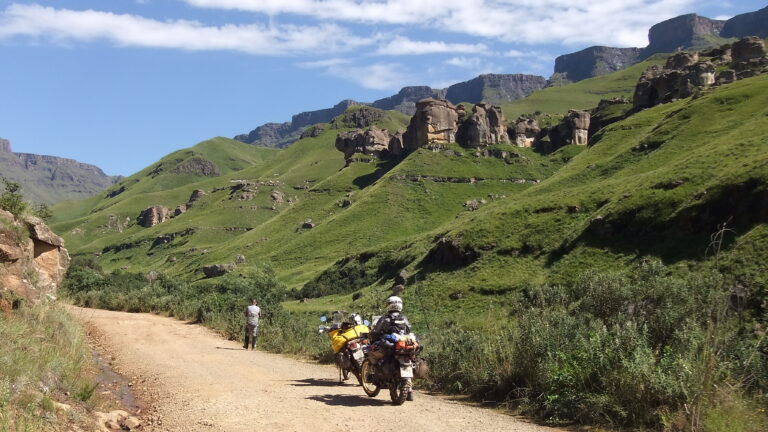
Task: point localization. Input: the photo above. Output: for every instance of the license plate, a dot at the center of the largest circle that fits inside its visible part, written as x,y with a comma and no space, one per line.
406,371
358,355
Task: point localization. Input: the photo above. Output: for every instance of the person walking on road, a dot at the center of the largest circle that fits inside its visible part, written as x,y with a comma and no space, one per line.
252,314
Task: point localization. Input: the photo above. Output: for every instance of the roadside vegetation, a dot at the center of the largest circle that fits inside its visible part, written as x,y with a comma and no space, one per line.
44,360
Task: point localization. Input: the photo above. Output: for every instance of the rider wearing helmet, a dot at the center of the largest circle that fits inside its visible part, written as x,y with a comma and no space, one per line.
393,322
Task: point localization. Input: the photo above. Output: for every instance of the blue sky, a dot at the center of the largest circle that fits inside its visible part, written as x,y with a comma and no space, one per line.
121,83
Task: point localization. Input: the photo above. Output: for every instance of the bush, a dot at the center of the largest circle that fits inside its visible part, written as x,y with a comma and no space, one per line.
11,199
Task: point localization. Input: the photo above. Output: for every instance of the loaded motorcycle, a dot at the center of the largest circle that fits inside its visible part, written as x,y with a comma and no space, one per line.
392,362
347,337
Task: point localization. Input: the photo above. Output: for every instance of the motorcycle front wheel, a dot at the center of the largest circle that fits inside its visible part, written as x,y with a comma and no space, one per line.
366,373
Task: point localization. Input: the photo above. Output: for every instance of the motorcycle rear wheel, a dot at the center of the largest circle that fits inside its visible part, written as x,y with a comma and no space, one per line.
398,393
366,370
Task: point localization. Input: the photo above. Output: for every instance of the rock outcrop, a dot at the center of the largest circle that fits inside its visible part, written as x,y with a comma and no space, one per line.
681,32
573,129
50,179
5,145
495,88
372,142
196,195
276,135
683,73
485,126
525,132
435,122
746,49
751,23
197,166
361,117
33,266
215,270
152,216
594,61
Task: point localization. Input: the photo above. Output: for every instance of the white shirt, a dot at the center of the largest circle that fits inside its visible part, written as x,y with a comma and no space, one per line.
253,313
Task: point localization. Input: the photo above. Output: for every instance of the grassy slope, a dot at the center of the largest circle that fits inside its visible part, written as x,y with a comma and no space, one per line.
710,145
581,95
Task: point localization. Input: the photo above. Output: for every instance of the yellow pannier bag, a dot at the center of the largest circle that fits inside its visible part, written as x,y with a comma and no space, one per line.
339,338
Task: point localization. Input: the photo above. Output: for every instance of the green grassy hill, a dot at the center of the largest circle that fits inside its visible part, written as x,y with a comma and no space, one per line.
616,279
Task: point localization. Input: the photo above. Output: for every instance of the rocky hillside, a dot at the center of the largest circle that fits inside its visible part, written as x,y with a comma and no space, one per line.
685,32
50,179
495,88
33,260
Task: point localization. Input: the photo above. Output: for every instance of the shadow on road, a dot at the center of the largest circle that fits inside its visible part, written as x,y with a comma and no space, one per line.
312,382
347,400
232,349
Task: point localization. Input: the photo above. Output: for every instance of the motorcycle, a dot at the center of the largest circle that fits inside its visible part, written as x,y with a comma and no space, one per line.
347,338
392,363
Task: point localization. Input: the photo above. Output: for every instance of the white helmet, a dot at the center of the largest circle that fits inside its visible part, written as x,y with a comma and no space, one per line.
356,319
394,303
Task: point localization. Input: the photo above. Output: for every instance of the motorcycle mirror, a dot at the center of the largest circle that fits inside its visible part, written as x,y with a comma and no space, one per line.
323,318
366,322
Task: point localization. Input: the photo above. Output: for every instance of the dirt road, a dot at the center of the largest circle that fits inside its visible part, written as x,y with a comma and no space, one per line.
196,381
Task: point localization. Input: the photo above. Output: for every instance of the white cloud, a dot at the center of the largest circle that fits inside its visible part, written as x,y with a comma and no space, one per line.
404,46
377,76
723,17
608,22
133,30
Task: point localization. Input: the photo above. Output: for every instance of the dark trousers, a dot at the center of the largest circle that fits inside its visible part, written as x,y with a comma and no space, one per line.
251,333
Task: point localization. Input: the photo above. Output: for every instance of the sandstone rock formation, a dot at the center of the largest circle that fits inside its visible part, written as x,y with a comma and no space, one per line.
751,23
594,61
746,49
372,142
485,126
683,73
525,132
312,131
31,267
180,210
152,216
435,122
573,129
277,196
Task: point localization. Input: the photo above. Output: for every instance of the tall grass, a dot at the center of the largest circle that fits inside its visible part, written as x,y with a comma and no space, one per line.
639,348
43,354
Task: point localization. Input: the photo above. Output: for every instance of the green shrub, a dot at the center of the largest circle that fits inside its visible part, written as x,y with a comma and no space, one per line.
11,199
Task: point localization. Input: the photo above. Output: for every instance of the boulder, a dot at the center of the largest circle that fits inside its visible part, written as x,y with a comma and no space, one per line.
152,216
180,209
434,123
197,166
726,76
277,196
573,129
747,48
681,60
525,131
658,85
485,126
38,230
308,224
215,270
195,196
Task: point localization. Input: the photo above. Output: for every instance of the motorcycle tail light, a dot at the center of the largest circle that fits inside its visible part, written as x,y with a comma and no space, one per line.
353,345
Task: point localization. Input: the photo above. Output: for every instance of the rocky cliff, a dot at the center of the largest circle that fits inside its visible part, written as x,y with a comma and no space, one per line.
405,100
495,88
748,24
33,260
49,179
594,61
682,32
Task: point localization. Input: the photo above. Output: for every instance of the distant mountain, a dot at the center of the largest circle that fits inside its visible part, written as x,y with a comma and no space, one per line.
747,24
50,179
689,31
594,61
492,88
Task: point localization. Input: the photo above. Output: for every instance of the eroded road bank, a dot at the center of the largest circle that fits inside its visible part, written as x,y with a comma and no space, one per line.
193,380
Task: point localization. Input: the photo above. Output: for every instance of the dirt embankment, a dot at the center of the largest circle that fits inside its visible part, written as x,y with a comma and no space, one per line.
192,380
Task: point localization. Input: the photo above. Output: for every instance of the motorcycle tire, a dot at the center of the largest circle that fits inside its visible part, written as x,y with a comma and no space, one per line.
398,393
369,388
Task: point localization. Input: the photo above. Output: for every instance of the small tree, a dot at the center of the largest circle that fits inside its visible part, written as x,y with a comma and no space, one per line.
42,211
11,200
